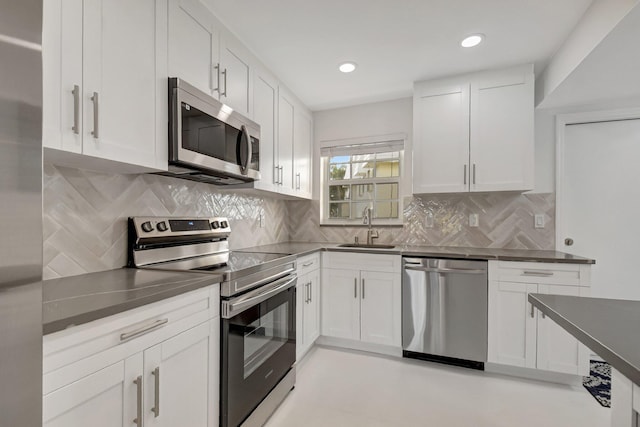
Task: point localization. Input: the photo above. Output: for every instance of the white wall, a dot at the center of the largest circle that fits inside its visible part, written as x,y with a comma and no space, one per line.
380,118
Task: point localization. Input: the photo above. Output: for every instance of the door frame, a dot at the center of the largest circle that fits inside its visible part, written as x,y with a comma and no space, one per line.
562,121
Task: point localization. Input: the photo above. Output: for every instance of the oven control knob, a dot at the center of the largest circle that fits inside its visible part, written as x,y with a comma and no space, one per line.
215,225
224,224
162,226
147,226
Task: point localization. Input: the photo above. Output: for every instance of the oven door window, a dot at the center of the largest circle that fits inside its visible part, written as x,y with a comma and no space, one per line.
258,349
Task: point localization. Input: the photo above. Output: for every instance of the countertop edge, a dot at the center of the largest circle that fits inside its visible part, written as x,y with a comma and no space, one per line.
609,355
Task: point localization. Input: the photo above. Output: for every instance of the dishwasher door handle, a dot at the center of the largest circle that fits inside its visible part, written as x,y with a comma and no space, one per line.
446,270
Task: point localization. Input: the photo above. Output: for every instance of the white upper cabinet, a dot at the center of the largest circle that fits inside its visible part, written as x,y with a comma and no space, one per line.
475,132
265,108
106,95
194,45
235,74
286,112
302,155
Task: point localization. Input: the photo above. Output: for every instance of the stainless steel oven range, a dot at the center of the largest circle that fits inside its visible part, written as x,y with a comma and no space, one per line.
258,344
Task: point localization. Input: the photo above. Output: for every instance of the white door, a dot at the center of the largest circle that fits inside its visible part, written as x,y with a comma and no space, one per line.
558,351
62,75
302,152
501,141
598,203
121,79
265,105
380,308
235,75
512,324
441,141
194,45
302,295
312,310
177,378
285,140
341,303
106,398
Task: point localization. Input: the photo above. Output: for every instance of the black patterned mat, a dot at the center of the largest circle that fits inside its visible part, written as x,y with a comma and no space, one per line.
598,383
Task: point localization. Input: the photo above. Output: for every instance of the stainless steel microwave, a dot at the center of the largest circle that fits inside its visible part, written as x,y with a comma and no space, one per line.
208,140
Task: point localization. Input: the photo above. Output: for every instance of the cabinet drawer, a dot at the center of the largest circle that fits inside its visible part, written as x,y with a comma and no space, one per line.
546,273
115,337
636,398
308,263
362,261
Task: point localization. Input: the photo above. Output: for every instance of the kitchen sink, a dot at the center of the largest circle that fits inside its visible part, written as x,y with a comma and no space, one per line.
363,246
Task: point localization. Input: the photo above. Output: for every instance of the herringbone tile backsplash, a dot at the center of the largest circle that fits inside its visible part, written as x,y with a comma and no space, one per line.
85,213
506,220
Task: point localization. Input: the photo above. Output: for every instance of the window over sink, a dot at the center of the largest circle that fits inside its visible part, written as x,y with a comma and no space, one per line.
361,174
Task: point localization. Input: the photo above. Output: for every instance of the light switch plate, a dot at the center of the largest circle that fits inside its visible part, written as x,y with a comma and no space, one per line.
428,220
473,220
538,221
261,219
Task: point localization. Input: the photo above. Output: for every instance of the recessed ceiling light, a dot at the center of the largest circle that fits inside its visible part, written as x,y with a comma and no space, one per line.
347,67
472,40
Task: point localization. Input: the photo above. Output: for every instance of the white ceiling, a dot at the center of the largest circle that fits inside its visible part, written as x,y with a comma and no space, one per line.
394,42
610,71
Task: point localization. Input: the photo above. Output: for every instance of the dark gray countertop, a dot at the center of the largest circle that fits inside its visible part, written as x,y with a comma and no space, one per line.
81,299
304,248
609,327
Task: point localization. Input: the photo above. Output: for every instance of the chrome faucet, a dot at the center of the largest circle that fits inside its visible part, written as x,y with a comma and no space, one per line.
366,219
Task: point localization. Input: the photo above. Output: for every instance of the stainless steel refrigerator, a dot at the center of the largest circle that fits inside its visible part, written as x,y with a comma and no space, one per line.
20,213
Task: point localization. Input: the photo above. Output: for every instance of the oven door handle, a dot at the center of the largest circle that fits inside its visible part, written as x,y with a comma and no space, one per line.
237,305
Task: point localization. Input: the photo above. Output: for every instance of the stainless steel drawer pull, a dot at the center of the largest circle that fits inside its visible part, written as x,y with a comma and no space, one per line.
465,174
76,109
532,314
143,330
446,270
355,287
156,399
537,273
307,264
96,116
138,420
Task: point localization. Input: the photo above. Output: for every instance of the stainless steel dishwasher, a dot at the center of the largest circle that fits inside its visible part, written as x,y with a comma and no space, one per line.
444,311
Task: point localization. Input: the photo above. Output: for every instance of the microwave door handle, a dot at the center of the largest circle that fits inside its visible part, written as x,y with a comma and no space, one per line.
244,139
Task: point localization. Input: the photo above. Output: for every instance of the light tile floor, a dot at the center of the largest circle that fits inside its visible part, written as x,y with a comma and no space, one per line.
342,388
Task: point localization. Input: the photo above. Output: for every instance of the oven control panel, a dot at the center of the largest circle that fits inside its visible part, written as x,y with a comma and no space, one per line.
163,227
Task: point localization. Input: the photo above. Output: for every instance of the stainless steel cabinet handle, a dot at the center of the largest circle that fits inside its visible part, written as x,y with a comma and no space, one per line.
217,69
156,399
224,74
96,116
143,330
310,291
276,176
537,273
355,287
446,270
362,288
138,420
474,173
307,264
531,310
76,109
297,181
465,174
306,293
544,316
281,175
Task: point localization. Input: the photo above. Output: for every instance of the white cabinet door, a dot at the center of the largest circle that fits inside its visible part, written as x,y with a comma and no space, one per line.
512,324
177,377
558,351
285,140
502,131
312,310
106,398
235,75
265,107
62,75
121,95
194,45
302,128
301,302
341,303
441,141
380,307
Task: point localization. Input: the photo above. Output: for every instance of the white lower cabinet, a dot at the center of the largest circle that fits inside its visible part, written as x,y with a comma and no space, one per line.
363,302
520,335
167,376
307,304
625,401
